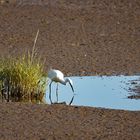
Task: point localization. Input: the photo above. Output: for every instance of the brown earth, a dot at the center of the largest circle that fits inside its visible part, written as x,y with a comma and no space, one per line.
79,37
60,122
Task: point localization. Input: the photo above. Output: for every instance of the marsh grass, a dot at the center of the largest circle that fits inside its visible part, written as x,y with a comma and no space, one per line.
23,78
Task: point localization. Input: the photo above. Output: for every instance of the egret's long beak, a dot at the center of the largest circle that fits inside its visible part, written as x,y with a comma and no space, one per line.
71,87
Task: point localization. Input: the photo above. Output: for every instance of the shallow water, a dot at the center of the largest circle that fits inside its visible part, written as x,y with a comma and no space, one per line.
106,91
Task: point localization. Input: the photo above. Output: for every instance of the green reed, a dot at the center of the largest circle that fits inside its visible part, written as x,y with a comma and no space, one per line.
23,78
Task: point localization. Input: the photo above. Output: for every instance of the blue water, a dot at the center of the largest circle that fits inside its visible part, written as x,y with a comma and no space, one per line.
95,91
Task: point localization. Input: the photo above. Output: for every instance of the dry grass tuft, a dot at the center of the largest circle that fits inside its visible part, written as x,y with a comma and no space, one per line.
23,78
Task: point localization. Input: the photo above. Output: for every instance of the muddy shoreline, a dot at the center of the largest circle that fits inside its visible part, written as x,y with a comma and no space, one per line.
43,122
77,37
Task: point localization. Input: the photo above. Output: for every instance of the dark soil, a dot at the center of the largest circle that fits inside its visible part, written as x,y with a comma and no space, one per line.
79,37
61,122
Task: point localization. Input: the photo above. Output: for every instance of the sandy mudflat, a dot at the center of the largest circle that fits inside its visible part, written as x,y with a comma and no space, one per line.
56,122
85,37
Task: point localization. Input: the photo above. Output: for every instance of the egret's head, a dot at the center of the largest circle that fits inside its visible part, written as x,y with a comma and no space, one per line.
71,83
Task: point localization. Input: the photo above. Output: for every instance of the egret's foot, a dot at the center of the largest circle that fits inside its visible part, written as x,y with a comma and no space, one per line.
63,103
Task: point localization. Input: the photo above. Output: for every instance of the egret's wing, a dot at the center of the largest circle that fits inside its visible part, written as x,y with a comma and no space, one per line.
56,75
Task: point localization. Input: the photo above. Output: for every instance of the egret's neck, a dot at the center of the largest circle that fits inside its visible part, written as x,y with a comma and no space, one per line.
65,81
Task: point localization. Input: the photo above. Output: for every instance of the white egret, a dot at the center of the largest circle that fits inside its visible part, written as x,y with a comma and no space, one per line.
58,77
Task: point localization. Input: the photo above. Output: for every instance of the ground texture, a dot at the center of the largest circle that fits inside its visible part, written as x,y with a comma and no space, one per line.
61,122
79,37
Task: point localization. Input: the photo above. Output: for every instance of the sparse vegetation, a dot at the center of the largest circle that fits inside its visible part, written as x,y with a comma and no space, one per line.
23,78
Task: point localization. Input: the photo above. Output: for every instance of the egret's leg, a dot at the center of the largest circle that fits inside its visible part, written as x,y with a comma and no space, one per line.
57,92
50,92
